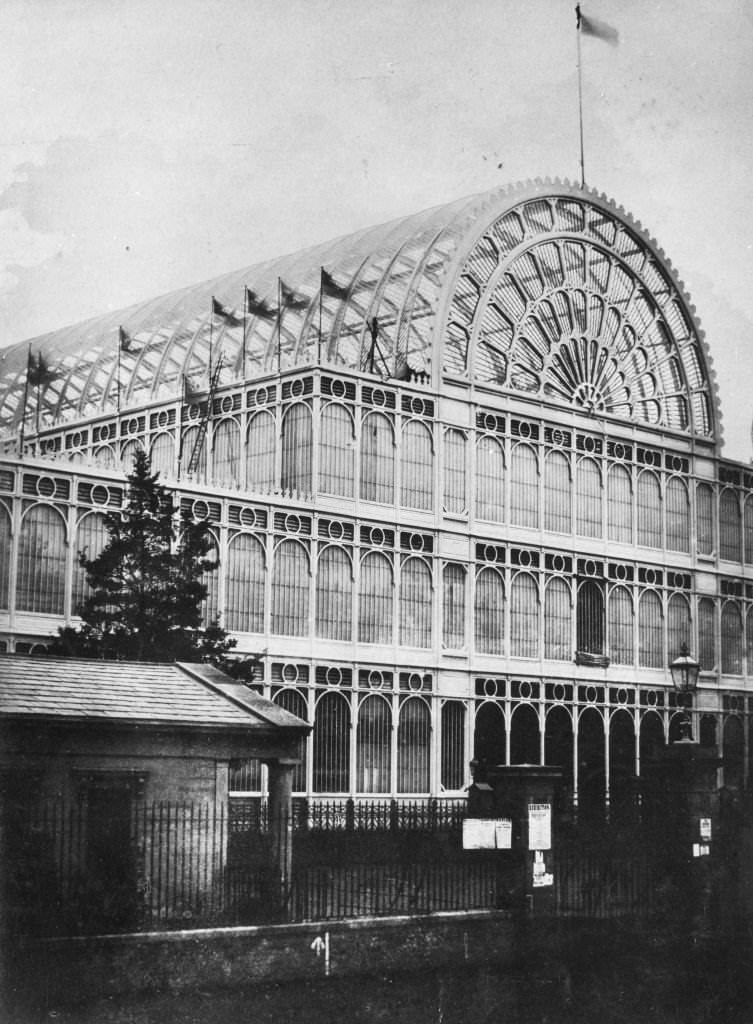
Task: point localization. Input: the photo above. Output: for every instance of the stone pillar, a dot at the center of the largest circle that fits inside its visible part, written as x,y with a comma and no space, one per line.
281,826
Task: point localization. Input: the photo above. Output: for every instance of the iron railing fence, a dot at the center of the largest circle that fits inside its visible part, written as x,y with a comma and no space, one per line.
71,869
350,815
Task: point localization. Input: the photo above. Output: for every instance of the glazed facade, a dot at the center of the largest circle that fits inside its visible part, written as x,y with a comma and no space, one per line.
482,530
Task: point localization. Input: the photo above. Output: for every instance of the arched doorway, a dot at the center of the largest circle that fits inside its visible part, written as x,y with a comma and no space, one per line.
558,748
622,773
591,765
525,741
490,734
733,752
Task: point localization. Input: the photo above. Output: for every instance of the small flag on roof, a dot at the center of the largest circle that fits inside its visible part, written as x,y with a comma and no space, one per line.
258,307
291,299
230,317
594,27
331,287
39,372
126,342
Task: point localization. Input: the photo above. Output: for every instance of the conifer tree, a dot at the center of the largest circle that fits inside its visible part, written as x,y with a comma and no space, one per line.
146,586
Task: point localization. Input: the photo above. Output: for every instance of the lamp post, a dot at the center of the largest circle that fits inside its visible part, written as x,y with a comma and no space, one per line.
684,672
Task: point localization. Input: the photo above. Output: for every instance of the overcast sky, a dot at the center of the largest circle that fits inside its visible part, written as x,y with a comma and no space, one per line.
149,144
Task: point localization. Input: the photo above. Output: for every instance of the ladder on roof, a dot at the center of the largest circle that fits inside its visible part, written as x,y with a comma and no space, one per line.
201,433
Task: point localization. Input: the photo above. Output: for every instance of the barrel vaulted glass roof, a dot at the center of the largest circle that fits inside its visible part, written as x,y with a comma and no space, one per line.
545,289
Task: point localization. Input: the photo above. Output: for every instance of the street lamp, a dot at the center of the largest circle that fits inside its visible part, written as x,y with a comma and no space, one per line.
684,671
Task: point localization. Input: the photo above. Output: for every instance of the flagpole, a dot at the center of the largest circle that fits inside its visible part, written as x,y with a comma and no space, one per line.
580,100
120,350
279,326
22,437
211,328
319,340
245,324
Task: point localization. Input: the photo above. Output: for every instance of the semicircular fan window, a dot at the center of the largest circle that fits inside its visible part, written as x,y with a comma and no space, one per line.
577,310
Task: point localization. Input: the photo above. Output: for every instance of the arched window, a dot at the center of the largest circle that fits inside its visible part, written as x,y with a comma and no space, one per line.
375,598
296,449
5,555
416,466
453,605
678,515
748,529
413,746
334,594
650,631
732,640
707,634
524,487
455,497
40,585
191,437
704,512
290,589
590,617
557,493
525,736
649,510
621,632
244,584
162,454
260,452
91,537
489,611
452,754
105,457
730,533
749,640
619,506
490,734
332,744
524,617
128,454
210,606
337,451
588,499
415,603
733,752
295,702
678,625
373,745
651,737
558,630
226,452
377,459
490,480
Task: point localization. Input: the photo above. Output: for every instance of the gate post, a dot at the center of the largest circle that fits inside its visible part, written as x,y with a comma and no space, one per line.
281,826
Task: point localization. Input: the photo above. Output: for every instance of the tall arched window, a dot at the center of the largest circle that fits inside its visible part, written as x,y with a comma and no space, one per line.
590,617
732,640
91,537
416,466
40,585
650,631
490,734
619,505
104,456
377,459
191,437
226,452
455,497
295,702
244,584
525,736
5,554
452,757
730,532
128,454
490,480
210,606
332,744
748,529
678,625
162,454
558,639
707,634
678,515
524,617
621,631
334,594
489,611
337,451
290,589
524,486
557,493
649,510
413,746
588,498
375,597
260,452
415,603
704,512
373,737
296,449
453,605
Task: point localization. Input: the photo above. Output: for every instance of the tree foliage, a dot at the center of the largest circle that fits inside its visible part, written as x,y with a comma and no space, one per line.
147,584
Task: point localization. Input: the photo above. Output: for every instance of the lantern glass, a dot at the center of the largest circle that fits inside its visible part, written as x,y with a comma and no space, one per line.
684,671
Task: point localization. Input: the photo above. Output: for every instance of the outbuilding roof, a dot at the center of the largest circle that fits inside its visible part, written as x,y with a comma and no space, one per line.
74,690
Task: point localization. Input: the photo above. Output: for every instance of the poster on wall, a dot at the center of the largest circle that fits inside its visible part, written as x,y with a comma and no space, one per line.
539,826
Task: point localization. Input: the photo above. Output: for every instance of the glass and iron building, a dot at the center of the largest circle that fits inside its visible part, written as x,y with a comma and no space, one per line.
465,478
